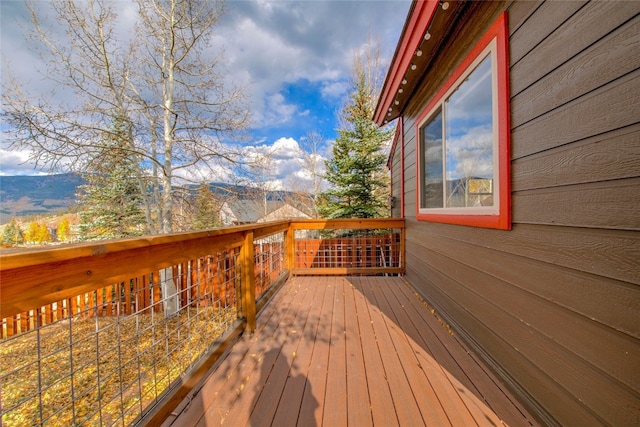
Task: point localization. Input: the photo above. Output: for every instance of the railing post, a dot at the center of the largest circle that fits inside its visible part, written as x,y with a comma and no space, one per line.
248,281
290,247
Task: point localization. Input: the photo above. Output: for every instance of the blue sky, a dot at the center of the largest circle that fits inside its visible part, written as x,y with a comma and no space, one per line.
309,110
293,56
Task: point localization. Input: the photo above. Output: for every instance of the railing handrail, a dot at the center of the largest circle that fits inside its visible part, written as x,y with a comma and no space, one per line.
37,277
20,257
354,223
62,272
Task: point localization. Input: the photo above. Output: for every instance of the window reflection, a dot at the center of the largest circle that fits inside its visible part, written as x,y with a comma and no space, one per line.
432,161
459,171
469,140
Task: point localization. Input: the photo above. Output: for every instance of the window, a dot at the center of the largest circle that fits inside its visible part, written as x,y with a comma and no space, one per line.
463,141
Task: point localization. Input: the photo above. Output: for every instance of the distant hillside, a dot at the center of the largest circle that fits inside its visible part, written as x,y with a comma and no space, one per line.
36,195
49,194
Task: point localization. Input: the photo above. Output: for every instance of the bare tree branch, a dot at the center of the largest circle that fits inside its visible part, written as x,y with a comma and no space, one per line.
179,109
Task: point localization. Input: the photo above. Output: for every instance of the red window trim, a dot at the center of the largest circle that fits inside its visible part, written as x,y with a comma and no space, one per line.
502,220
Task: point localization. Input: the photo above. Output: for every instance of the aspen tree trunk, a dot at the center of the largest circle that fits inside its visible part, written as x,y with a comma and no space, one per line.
169,290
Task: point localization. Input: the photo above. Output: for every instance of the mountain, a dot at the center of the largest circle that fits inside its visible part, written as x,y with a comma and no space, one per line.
36,195
49,194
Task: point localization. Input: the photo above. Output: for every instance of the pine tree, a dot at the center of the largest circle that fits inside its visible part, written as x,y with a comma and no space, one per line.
111,204
12,234
356,170
206,209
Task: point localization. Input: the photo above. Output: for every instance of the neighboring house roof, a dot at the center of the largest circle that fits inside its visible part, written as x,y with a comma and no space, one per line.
248,210
243,211
284,212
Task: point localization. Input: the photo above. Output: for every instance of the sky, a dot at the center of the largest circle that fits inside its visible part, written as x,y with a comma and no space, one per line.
294,57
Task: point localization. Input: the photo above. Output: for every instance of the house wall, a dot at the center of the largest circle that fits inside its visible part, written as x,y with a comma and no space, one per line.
554,303
395,165
227,217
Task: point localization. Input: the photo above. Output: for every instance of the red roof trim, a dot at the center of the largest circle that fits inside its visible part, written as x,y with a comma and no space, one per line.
417,24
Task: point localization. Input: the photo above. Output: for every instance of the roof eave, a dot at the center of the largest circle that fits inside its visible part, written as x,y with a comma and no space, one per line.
418,20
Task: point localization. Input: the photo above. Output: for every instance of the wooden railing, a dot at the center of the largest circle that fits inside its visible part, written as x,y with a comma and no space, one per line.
105,332
348,247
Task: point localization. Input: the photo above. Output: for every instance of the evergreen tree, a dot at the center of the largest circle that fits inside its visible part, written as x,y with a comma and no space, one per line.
206,210
356,170
111,204
12,234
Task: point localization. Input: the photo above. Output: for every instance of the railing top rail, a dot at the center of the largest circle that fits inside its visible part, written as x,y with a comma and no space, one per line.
40,276
13,258
31,279
355,223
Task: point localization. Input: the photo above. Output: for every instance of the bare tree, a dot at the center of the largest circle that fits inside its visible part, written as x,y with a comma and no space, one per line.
160,83
164,83
197,111
312,160
83,83
260,163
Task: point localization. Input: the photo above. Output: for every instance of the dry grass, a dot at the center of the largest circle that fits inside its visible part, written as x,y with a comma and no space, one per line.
98,371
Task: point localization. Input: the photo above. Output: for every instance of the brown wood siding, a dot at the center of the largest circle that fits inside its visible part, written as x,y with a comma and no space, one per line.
410,195
553,304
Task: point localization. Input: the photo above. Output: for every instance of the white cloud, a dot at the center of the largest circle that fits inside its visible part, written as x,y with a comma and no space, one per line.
280,165
274,43
287,146
334,89
277,111
17,163
267,45
204,172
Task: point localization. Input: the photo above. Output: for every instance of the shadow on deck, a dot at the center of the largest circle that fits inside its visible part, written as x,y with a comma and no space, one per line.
357,351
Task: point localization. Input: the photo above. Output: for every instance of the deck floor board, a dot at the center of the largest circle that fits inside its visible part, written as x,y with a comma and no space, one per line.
359,413
382,408
350,351
446,393
316,381
405,401
290,403
432,387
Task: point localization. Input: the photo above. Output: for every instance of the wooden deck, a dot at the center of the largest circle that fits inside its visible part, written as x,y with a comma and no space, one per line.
355,351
